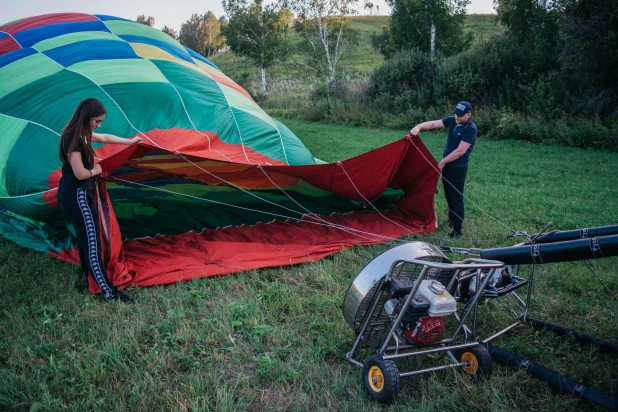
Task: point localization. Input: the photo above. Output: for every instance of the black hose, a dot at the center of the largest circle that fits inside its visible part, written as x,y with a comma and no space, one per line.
581,337
586,233
583,249
553,378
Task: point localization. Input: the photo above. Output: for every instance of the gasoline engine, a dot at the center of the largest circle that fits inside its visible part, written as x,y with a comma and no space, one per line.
423,320
397,304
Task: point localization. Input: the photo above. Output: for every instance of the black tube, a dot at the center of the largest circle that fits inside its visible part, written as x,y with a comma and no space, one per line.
586,233
553,378
583,249
582,337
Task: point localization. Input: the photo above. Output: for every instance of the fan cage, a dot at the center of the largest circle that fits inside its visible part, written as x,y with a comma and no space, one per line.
379,323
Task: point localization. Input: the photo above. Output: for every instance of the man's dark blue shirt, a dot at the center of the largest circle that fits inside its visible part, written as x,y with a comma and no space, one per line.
457,134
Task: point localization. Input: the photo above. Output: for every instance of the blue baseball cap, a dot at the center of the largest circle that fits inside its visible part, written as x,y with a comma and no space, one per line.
462,108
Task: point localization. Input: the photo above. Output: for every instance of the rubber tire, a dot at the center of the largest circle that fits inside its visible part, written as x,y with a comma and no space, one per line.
390,373
483,359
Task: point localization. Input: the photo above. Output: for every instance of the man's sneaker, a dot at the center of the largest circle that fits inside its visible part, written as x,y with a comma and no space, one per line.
455,234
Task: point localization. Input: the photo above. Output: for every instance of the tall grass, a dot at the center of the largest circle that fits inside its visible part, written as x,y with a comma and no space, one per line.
275,339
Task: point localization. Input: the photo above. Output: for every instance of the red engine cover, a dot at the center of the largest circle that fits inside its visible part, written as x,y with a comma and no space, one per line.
428,330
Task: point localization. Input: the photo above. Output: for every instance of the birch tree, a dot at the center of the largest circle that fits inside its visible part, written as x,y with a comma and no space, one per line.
257,32
324,26
431,26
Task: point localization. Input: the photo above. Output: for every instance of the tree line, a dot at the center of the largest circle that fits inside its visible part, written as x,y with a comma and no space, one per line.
556,56
202,33
261,33
555,62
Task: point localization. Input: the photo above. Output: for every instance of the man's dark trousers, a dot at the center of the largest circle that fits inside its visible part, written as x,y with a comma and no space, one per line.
453,179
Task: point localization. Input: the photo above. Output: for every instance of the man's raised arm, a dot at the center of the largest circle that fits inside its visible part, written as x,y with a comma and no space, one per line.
433,124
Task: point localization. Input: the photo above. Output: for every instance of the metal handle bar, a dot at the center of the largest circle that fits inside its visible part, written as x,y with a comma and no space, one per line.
466,264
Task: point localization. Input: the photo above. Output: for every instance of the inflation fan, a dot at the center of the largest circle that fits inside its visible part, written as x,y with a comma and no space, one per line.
412,301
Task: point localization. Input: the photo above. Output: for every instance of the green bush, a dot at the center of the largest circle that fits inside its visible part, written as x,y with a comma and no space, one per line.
487,75
493,123
564,130
405,81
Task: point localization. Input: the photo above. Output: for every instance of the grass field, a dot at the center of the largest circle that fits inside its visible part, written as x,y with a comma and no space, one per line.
275,339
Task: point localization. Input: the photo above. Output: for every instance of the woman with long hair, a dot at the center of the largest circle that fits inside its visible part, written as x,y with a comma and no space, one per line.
75,193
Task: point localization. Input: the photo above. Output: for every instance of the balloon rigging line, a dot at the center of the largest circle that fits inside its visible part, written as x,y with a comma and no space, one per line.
221,203
30,121
161,147
191,120
311,214
281,140
340,164
14,39
29,194
464,196
244,151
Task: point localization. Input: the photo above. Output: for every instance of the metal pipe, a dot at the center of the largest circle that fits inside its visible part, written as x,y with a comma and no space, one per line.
405,347
466,264
520,300
428,351
434,369
364,328
353,361
502,332
529,298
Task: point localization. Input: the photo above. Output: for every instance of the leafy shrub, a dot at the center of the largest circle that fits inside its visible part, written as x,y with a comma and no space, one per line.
405,81
564,130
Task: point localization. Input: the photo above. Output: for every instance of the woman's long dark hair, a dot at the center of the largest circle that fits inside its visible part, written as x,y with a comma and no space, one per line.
79,127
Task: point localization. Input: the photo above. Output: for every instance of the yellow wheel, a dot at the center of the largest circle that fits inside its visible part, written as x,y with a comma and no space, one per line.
380,379
473,363
478,359
376,379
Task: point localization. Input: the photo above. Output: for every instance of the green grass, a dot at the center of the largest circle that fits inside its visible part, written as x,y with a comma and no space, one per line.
275,339
484,26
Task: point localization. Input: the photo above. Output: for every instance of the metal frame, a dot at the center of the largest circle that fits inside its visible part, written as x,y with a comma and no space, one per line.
389,351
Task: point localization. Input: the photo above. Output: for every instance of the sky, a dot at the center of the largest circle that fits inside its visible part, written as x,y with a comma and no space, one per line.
171,13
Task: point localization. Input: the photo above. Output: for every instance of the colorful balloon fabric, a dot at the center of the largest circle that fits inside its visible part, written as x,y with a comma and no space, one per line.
217,186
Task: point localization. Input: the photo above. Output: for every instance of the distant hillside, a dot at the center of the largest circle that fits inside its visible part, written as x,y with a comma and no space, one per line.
358,63
291,85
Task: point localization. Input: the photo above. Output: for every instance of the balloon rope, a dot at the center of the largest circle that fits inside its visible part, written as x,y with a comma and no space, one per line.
464,196
337,226
340,164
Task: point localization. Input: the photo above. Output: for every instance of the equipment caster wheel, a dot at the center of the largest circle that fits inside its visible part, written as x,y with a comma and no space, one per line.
380,379
479,359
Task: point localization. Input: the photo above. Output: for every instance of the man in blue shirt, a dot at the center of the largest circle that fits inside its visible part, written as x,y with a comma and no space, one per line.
454,164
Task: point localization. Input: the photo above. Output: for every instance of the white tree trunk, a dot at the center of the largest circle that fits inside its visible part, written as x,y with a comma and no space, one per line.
264,84
432,46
